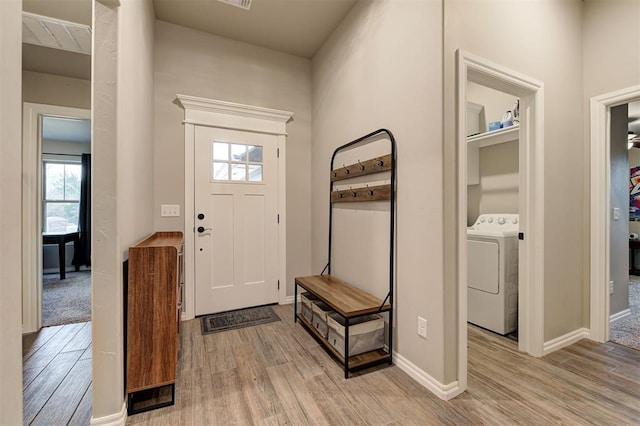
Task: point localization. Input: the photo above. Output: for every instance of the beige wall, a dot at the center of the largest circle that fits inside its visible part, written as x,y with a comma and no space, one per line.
194,63
51,89
543,40
10,214
495,103
619,229
381,68
497,191
122,179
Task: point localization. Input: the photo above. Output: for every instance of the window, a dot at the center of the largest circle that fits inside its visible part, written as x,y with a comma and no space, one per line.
237,162
61,193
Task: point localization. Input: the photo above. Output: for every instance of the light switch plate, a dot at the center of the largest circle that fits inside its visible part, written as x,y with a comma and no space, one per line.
169,210
616,213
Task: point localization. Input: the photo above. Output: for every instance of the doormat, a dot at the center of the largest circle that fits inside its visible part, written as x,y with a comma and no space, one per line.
249,317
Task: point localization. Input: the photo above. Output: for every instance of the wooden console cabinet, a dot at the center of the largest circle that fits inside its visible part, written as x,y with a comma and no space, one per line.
153,313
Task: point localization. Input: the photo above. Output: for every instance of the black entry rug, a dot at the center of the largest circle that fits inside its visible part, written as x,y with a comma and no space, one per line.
237,319
66,301
626,331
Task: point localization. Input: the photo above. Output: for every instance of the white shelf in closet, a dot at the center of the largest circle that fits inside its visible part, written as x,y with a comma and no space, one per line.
474,143
495,137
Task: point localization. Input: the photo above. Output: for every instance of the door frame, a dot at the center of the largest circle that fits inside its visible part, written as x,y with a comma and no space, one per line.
600,110
32,114
233,116
531,199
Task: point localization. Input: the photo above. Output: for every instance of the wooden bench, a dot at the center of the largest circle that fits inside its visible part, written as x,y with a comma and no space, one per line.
350,302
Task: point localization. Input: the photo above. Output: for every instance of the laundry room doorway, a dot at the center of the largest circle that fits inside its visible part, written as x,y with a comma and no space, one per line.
497,234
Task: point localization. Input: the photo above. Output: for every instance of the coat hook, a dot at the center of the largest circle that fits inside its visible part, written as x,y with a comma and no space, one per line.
340,195
379,162
346,170
369,191
353,193
335,174
361,165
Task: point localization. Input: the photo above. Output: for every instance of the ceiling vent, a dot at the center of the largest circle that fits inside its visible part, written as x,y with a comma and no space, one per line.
56,33
242,4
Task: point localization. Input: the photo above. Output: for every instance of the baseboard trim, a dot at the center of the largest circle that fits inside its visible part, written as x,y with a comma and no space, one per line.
289,300
619,315
118,419
565,340
444,392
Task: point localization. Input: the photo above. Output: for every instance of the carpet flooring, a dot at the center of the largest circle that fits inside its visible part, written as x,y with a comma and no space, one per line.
66,301
626,331
237,319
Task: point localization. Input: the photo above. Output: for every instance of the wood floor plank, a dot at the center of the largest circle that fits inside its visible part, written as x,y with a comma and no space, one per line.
82,414
42,387
58,410
230,405
81,340
297,402
33,341
87,354
256,384
52,347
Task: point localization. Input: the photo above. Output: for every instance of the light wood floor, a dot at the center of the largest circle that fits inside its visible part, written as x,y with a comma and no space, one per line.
57,375
277,374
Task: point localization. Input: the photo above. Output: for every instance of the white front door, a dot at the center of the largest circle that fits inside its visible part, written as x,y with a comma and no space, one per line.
236,219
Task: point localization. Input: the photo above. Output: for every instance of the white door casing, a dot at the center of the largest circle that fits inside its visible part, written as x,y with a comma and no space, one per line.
531,200
600,203
32,206
226,115
236,238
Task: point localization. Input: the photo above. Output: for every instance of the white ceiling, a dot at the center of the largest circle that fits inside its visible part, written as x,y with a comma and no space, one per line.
298,27
56,61
66,130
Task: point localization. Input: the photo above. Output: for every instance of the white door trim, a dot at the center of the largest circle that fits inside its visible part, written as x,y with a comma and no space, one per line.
600,201
228,115
32,207
531,199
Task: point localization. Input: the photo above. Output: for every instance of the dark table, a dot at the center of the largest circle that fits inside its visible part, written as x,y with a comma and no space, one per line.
61,239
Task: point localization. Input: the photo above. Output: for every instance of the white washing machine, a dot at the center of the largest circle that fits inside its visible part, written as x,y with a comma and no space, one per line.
492,272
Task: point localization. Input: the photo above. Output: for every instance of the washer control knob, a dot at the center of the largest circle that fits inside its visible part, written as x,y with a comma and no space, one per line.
490,220
481,220
514,220
502,221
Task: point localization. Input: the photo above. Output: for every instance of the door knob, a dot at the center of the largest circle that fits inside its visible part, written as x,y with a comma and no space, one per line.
201,229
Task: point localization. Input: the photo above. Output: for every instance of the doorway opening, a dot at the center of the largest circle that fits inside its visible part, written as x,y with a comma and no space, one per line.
477,72
66,220
610,124
54,141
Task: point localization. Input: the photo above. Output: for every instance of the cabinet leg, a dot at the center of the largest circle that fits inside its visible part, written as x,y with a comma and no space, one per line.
295,303
346,348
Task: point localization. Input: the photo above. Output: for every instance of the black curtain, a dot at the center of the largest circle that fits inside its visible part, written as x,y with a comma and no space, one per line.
84,219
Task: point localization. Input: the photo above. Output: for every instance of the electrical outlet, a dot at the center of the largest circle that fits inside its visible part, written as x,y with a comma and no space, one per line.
610,287
169,210
422,327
